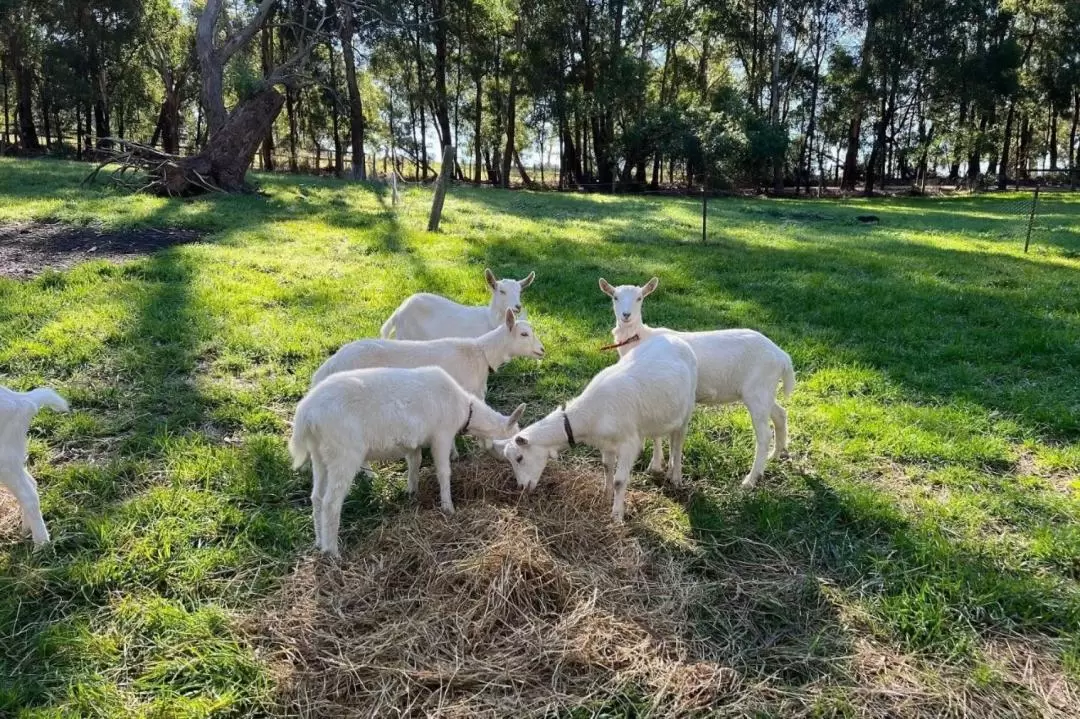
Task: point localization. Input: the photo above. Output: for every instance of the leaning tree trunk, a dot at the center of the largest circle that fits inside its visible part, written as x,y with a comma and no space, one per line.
224,162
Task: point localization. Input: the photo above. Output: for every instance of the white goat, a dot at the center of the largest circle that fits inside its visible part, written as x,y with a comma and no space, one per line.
354,417
17,409
426,316
733,366
649,393
467,359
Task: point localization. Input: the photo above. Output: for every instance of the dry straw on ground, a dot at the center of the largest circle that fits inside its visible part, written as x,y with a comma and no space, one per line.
531,606
501,609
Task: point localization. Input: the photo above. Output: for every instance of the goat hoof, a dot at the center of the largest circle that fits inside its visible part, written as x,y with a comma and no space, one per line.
749,483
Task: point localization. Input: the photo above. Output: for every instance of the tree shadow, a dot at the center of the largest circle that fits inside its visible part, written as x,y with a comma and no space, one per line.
944,325
925,589
170,515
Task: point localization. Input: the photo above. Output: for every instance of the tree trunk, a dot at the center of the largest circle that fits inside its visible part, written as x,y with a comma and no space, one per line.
811,127
266,54
1025,145
1003,167
521,170
170,122
954,169
7,109
422,95
228,154
774,98
45,121
357,126
511,128
851,159
101,106
78,131
59,129
478,79
24,99
1072,136
975,157
442,104
290,111
1053,138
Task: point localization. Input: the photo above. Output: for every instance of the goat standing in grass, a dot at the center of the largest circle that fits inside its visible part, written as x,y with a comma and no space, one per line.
468,360
648,394
17,410
354,417
733,366
426,316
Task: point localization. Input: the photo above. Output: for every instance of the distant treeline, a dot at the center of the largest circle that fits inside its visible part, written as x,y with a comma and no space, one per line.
742,93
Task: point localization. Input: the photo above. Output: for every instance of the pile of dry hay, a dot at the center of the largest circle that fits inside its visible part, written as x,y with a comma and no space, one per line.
536,605
512,606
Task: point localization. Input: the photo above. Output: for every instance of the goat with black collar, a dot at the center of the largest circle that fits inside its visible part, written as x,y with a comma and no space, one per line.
649,393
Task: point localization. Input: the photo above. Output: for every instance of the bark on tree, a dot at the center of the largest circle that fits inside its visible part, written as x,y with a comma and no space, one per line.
1072,134
774,98
232,138
24,98
441,184
294,134
7,109
1003,167
511,128
266,55
356,105
478,79
1053,138
442,104
1022,150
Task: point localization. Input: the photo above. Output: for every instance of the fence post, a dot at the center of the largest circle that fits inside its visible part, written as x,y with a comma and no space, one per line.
445,173
704,208
1031,219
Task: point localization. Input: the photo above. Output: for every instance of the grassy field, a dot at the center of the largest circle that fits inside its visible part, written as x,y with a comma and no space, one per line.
918,555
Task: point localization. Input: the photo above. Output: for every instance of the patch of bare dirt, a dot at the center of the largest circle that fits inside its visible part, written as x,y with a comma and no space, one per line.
28,249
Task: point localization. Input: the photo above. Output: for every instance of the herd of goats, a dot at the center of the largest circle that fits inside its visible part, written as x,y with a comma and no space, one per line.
423,382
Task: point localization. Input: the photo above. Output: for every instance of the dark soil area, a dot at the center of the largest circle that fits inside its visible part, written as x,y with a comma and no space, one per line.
28,249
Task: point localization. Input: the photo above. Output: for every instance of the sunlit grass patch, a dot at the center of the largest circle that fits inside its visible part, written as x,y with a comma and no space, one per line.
919,542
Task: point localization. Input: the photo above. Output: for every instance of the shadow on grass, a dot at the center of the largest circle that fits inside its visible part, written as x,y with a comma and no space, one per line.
921,586
142,540
944,325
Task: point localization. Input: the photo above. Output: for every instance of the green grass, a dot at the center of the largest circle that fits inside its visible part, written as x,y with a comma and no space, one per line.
932,505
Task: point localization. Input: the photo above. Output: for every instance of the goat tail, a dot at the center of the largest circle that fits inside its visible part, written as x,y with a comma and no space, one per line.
45,397
299,446
388,327
789,377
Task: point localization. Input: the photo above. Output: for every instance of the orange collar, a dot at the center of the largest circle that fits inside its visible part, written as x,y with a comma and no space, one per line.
617,345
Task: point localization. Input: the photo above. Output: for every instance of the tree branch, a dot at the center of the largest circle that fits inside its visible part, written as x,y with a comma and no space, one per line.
241,38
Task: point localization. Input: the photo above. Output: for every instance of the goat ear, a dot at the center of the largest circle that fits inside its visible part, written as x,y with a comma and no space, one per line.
490,277
528,280
650,286
510,319
521,441
606,288
516,415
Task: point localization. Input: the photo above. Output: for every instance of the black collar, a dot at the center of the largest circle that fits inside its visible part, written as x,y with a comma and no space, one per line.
566,426
465,427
